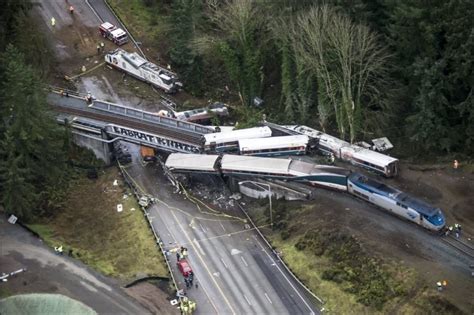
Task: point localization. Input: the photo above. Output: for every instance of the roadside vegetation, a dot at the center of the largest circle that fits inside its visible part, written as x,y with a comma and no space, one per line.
118,244
43,173
357,69
337,266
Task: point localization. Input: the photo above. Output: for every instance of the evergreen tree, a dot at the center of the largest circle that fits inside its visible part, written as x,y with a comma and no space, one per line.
31,136
434,42
185,15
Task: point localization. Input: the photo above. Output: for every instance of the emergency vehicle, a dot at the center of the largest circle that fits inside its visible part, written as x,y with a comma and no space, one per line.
113,33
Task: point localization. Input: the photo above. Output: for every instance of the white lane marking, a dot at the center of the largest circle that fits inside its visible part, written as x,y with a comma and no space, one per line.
290,283
243,259
223,228
235,251
225,265
202,227
246,298
268,298
195,241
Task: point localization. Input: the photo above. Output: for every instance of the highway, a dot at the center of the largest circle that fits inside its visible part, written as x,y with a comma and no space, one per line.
235,270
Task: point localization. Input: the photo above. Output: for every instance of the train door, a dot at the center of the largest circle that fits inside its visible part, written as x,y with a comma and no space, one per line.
391,169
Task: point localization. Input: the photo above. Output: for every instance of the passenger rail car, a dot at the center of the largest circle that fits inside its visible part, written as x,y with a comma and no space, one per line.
396,202
359,156
229,141
274,146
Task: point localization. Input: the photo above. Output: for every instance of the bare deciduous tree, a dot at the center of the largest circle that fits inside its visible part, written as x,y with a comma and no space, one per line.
348,61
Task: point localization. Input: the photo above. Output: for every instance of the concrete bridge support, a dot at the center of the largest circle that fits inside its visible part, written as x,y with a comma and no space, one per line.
100,145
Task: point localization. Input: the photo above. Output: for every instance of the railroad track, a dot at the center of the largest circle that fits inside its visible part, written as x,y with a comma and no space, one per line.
164,131
459,244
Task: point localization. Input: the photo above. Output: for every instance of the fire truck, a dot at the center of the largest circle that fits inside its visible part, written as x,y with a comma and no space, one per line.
115,34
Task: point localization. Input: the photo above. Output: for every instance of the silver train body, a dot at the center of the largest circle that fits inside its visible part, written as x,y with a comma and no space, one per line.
396,202
335,178
356,155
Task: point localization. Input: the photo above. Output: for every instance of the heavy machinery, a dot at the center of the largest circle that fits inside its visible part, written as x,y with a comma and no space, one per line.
147,154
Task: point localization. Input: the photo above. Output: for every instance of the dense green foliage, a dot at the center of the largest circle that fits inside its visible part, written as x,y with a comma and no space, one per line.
32,161
185,15
351,266
358,69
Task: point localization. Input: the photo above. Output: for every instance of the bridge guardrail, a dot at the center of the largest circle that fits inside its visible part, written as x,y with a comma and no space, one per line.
150,117
66,92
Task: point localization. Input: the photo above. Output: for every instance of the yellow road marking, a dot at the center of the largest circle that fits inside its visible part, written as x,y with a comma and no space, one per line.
205,266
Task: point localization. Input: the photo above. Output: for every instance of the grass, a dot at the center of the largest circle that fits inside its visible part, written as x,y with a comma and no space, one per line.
143,22
308,269
118,244
333,264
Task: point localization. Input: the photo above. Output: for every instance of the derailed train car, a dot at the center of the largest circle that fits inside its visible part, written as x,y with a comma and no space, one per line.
356,155
386,197
396,202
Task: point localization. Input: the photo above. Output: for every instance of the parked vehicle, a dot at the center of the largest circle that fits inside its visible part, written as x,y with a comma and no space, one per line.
113,33
147,154
184,268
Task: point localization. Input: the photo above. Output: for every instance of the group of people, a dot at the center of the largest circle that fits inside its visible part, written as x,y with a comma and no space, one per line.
182,253
189,280
456,230
100,47
53,20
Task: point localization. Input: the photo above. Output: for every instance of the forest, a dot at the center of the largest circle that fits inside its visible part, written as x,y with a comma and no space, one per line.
357,69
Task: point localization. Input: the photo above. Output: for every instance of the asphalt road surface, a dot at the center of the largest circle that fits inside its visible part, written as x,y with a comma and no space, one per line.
50,273
235,271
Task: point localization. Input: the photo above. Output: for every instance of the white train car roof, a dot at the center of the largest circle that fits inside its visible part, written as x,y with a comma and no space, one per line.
255,164
310,132
223,129
370,156
324,139
133,58
192,162
235,135
273,142
300,168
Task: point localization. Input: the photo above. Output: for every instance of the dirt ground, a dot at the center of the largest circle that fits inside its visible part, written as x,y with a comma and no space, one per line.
152,298
399,241
384,235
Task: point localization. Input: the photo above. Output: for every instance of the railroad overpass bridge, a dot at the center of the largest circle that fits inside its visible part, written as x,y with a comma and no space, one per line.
99,123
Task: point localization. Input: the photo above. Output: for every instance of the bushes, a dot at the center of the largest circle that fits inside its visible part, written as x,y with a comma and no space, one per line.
351,266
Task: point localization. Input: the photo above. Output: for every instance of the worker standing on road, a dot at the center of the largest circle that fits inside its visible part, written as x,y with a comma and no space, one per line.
102,46
440,286
98,49
71,9
53,22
